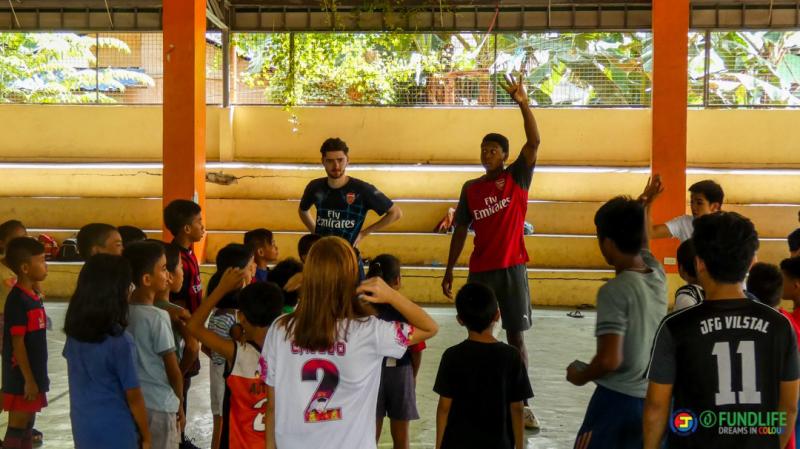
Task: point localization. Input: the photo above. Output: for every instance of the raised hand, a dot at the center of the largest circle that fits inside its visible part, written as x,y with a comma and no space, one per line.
515,89
652,190
232,279
376,291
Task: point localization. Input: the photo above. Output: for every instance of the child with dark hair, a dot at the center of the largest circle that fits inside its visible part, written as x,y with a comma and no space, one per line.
104,389
245,392
265,251
629,309
397,396
99,238
790,268
765,282
794,243
288,274
699,350
480,404
222,322
184,220
25,381
9,230
187,348
305,243
706,197
156,361
691,293
790,271
131,234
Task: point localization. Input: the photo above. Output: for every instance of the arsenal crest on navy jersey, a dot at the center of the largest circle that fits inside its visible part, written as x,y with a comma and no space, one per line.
341,212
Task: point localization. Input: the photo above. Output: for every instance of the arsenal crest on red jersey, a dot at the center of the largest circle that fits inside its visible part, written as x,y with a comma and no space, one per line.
351,198
500,183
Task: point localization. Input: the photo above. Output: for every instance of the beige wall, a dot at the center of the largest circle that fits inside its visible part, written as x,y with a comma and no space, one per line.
620,137
729,137
600,137
420,135
89,133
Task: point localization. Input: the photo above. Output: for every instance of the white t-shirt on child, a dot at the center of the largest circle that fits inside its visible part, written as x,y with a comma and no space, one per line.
681,227
327,399
688,296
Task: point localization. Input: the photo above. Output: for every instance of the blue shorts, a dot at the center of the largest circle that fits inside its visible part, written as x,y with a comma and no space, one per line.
613,421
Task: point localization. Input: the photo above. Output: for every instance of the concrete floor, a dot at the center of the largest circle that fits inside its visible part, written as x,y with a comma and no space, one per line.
554,342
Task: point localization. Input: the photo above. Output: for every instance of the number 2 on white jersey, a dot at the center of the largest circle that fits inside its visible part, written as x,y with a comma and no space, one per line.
749,393
317,409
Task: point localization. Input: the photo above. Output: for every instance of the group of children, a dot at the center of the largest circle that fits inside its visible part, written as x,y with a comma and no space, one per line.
138,320
651,366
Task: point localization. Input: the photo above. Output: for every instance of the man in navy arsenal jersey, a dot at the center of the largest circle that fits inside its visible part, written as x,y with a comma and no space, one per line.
495,205
342,202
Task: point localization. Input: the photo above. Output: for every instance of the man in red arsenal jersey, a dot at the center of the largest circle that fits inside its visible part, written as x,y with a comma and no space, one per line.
495,205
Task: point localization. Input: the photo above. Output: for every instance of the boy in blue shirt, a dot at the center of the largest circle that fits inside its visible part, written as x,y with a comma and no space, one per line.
156,361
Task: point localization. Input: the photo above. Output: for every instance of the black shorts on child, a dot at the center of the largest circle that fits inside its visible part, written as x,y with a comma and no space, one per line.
397,396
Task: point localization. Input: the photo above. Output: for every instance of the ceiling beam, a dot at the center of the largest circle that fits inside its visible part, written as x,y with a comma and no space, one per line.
420,15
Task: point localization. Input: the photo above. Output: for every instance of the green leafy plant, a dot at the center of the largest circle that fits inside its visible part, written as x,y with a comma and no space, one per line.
60,68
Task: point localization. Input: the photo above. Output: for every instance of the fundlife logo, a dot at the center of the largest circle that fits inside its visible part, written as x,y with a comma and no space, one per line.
683,422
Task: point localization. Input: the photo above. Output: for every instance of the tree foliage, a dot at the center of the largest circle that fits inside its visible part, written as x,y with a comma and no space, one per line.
61,68
760,68
560,69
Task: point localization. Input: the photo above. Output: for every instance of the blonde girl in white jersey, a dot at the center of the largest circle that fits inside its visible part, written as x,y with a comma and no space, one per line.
324,359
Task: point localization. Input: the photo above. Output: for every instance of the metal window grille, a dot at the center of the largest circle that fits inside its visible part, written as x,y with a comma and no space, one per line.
454,69
130,69
214,74
754,69
726,68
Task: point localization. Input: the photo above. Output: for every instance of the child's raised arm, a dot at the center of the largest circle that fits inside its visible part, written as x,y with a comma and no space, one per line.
231,280
191,348
375,290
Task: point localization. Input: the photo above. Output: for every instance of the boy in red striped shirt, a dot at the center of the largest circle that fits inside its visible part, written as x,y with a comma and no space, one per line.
184,220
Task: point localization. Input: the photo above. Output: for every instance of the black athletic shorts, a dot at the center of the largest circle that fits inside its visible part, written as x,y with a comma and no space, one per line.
510,285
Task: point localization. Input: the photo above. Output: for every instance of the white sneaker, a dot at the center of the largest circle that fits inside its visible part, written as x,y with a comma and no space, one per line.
498,326
531,422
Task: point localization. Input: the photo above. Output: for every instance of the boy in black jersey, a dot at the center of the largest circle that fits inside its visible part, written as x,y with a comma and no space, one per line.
25,379
726,357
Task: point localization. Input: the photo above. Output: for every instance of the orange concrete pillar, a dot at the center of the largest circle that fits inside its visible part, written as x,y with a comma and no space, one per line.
184,24
670,78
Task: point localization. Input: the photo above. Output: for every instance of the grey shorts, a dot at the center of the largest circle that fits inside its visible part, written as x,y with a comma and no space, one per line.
163,429
510,285
397,395
216,375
